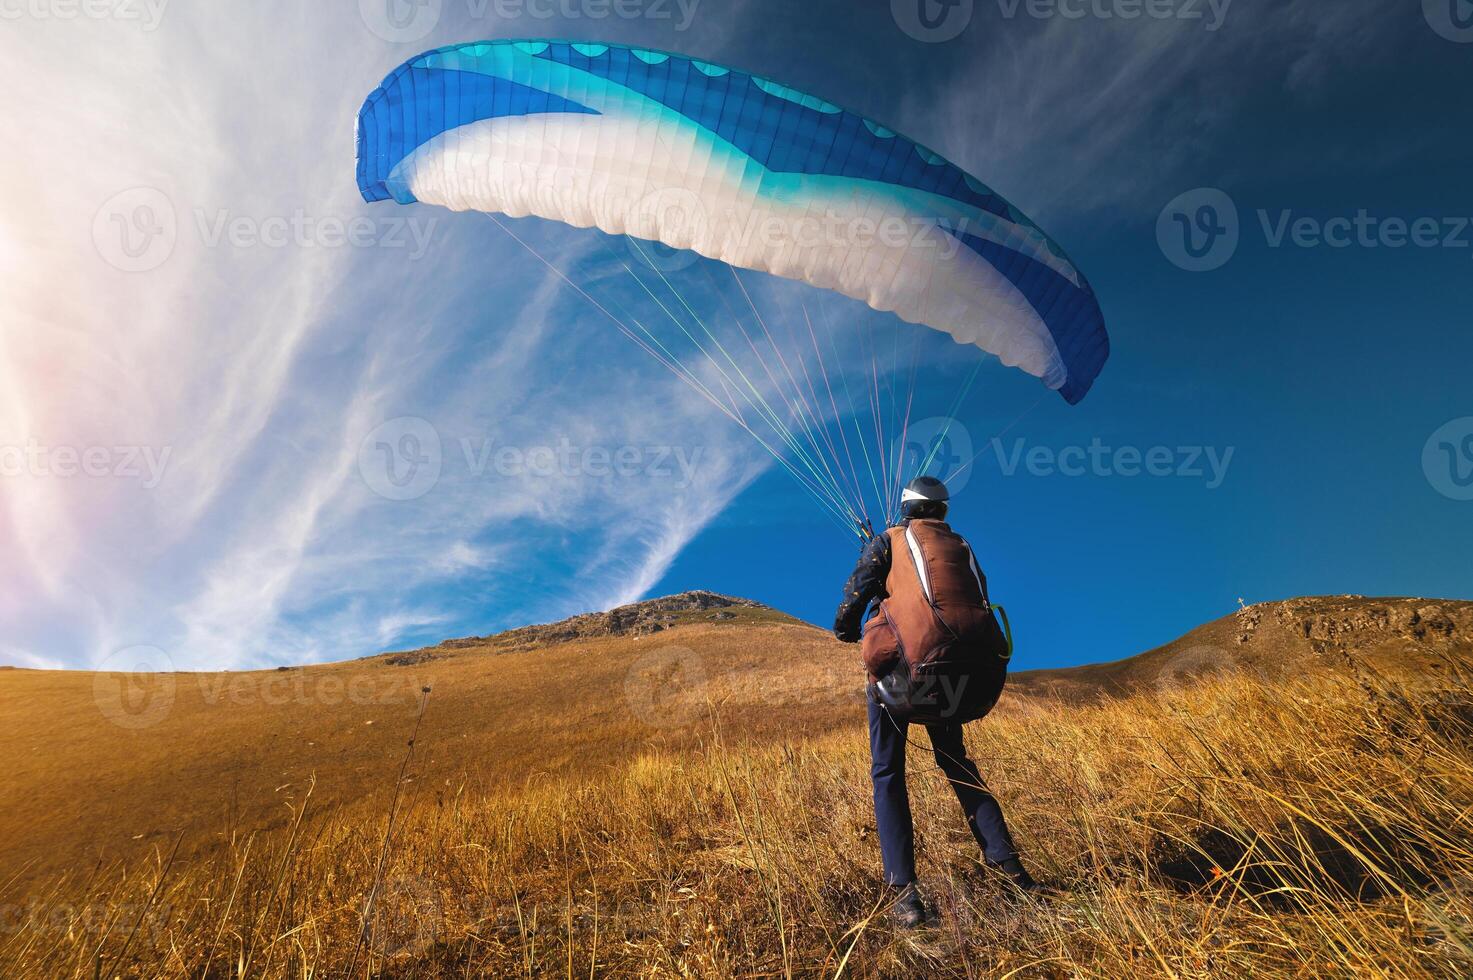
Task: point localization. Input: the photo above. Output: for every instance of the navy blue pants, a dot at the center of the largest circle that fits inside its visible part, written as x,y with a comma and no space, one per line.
892,802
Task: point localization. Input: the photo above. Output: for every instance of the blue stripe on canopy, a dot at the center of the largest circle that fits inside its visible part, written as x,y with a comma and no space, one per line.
784,135
1071,314
414,105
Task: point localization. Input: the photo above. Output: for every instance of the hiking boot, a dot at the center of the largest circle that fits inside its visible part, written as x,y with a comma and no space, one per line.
908,911
1019,876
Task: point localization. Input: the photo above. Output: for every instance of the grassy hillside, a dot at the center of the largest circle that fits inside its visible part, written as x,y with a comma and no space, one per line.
651,814
107,766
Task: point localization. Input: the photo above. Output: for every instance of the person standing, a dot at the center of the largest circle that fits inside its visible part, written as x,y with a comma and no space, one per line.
930,607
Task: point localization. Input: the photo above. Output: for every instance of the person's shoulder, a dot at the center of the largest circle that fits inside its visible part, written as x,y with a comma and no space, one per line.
945,529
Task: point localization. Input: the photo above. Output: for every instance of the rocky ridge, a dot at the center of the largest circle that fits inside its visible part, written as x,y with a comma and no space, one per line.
635,619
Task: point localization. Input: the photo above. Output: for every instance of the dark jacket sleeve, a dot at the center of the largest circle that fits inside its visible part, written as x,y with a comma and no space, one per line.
864,586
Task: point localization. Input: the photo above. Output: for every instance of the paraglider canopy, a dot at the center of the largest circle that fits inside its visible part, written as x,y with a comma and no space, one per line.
735,167
755,175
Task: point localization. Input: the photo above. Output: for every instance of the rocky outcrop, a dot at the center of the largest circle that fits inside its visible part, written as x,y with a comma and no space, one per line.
1349,623
635,619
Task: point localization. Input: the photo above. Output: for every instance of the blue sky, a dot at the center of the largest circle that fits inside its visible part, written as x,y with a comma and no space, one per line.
254,357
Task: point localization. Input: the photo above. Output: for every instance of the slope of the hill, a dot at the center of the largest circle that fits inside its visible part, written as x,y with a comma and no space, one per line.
101,765
1229,825
1279,639
106,765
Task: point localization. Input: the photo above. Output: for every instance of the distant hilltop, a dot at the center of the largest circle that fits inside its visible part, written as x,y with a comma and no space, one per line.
1276,639
634,619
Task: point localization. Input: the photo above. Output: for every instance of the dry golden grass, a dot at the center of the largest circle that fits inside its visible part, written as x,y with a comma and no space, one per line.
1230,826
108,766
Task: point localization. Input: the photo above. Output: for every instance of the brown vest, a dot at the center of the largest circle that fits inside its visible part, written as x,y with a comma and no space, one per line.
937,599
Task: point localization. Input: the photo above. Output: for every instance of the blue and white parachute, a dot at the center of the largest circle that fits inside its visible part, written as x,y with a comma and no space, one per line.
736,168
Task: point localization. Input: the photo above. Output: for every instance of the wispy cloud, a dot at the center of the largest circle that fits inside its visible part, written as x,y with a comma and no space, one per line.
1064,114
261,366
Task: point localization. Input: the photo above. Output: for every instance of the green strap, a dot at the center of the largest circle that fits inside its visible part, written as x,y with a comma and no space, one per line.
1007,628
